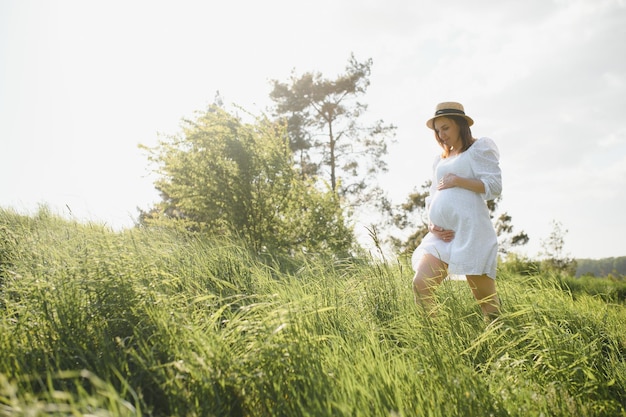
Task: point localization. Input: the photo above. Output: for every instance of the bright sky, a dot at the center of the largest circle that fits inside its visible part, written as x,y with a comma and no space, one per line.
82,83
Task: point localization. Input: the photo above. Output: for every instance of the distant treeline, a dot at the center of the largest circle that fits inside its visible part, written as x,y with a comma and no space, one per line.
601,267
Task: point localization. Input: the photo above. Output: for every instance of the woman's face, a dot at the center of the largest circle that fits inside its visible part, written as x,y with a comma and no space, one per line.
448,132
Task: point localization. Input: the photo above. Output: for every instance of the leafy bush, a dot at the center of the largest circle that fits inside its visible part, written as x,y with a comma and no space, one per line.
517,264
226,178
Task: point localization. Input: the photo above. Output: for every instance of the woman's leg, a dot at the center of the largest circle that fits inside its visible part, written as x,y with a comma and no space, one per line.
430,273
484,290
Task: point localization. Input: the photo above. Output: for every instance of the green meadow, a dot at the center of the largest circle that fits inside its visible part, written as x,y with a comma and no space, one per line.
150,322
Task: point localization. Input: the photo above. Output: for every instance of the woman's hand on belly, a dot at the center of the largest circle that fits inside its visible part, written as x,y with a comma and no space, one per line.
441,233
447,181
453,180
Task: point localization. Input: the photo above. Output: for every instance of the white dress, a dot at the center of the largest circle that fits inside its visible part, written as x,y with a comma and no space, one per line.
474,249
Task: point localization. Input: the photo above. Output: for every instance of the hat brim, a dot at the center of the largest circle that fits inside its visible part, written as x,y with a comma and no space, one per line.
430,122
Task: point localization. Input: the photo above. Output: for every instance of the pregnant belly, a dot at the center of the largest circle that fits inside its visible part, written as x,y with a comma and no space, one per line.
449,207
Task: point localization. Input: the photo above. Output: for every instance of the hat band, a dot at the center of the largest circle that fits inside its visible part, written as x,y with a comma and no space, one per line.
449,111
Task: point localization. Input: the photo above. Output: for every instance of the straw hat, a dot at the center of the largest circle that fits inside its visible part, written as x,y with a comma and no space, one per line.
449,108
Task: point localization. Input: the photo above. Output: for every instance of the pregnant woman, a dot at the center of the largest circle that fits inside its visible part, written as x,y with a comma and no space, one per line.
461,238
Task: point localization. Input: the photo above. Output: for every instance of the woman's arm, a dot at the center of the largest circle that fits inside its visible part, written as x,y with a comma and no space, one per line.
484,159
452,180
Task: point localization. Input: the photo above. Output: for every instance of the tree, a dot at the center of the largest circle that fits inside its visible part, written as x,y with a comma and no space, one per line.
412,214
504,229
322,118
604,267
224,177
554,251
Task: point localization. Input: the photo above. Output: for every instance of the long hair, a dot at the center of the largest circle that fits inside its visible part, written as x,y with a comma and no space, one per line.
464,131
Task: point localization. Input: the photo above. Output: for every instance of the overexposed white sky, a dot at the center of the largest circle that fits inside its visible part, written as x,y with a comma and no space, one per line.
82,83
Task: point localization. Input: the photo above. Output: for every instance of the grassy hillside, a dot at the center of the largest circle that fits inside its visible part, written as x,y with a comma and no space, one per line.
148,322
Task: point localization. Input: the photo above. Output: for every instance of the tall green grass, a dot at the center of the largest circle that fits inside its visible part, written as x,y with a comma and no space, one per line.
151,322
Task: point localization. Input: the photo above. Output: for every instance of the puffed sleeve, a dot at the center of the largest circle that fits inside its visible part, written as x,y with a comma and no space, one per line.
433,184
485,159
